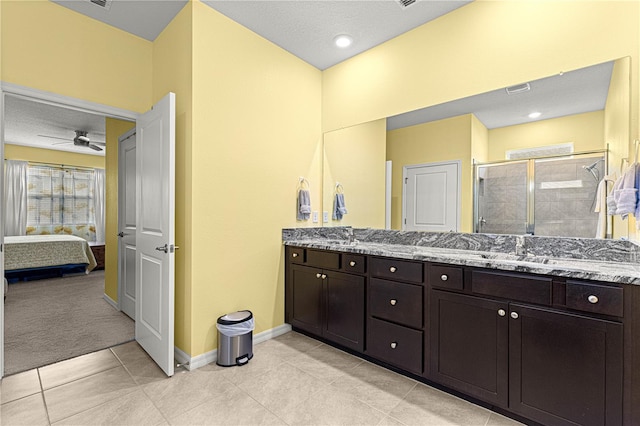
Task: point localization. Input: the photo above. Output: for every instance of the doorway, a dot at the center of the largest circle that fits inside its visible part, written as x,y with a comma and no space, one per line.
431,197
67,103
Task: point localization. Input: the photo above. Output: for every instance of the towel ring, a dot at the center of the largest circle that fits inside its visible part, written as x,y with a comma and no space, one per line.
339,188
302,182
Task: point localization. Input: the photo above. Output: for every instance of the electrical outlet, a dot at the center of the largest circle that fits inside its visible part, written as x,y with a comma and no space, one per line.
325,217
314,217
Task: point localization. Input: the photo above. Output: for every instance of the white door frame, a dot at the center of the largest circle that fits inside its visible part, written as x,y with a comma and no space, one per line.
56,100
405,168
121,254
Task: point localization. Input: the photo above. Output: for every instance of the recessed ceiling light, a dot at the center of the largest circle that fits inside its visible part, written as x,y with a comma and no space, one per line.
343,40
535,114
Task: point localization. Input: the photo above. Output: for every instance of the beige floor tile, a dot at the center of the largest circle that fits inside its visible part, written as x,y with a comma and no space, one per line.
326,363
282,388
130,352
233,407
296,342
498,420
186,390
265,358
76,368
26,411
428,406
389,421
330,406
131,409
380,388
75,397
20,385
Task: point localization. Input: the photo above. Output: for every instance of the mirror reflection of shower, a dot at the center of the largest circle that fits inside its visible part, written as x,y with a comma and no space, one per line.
549,196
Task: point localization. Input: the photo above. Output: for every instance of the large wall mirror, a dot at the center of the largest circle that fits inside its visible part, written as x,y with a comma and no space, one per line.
586,109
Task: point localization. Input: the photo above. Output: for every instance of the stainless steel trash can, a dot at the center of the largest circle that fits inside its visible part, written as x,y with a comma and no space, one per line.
235,338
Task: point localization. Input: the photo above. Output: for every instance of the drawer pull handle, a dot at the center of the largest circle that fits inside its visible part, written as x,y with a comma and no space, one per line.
295,255
444,277
592,299
501,312
393,302
394,345
514,315
323,276
393,269
352,263
318,275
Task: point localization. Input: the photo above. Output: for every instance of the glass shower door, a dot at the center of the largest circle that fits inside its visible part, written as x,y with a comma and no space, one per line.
501,198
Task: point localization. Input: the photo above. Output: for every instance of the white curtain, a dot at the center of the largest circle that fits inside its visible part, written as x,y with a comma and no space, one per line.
15,197
98,203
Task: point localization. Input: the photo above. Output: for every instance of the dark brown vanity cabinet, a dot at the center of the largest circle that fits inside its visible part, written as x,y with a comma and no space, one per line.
323,301
552,366
395,322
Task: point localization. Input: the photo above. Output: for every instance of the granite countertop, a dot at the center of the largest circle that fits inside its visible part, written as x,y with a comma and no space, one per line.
582,258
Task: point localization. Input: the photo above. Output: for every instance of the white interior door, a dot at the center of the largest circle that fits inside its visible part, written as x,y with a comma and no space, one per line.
155,232
431,197
127,223
2,236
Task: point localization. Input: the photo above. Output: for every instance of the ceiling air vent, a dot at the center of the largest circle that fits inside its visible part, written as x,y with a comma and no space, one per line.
518,88
405,3
105,4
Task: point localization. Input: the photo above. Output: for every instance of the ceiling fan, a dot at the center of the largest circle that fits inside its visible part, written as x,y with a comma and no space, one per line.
81,139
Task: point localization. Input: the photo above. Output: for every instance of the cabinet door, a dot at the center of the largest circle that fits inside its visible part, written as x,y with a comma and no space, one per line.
345,309
306,299
469,345
565,369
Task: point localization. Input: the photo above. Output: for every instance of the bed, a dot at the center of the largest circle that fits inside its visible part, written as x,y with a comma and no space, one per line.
44,256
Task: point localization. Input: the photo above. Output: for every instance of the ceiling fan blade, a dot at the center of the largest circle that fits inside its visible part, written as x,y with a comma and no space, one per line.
55,137
96,147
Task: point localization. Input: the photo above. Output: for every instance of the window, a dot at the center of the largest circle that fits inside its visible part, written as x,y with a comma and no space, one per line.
60,201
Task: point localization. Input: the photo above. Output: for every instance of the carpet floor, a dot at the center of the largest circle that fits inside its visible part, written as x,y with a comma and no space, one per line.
51,320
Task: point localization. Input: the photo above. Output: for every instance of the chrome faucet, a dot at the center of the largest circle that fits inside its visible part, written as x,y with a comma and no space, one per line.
521,249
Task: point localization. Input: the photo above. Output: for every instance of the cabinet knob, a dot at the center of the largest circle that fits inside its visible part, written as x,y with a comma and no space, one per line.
394,345
393,269
323,276
444,277
514,315
592,299
352,263
318,275
295,255
393,302
501,312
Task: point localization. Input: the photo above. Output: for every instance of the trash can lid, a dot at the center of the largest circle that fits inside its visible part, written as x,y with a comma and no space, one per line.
235,317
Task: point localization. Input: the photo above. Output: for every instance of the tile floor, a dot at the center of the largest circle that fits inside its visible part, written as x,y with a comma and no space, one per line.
292,380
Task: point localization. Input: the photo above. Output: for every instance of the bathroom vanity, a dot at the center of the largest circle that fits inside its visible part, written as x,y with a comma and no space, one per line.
549,334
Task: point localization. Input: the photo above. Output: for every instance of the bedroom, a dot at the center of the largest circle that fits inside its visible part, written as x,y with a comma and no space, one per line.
56,306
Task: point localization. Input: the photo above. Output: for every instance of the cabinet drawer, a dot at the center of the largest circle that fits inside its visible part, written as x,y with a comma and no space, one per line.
445,276
395,344
522,288
354,263
600,299
397,302
323,259
296,254
401,270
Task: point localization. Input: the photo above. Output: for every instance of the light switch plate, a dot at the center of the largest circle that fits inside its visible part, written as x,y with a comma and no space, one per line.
325,217
314,217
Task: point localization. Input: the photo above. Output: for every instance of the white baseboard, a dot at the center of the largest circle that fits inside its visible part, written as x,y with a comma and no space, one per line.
110,301
191,363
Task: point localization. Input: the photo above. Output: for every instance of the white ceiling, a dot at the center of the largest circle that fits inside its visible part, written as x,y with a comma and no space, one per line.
306,28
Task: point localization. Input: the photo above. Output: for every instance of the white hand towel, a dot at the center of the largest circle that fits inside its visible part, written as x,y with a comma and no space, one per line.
627,195
339,208
304,205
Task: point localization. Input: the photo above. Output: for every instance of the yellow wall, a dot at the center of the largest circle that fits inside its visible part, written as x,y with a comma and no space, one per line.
48,47
355,157
113,130
256,130
39,155
586,131
479,47
479,141
442,140
173,72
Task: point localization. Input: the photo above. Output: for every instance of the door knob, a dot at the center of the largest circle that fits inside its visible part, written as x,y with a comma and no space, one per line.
514,315
122,234
393,302
164,248
501,312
